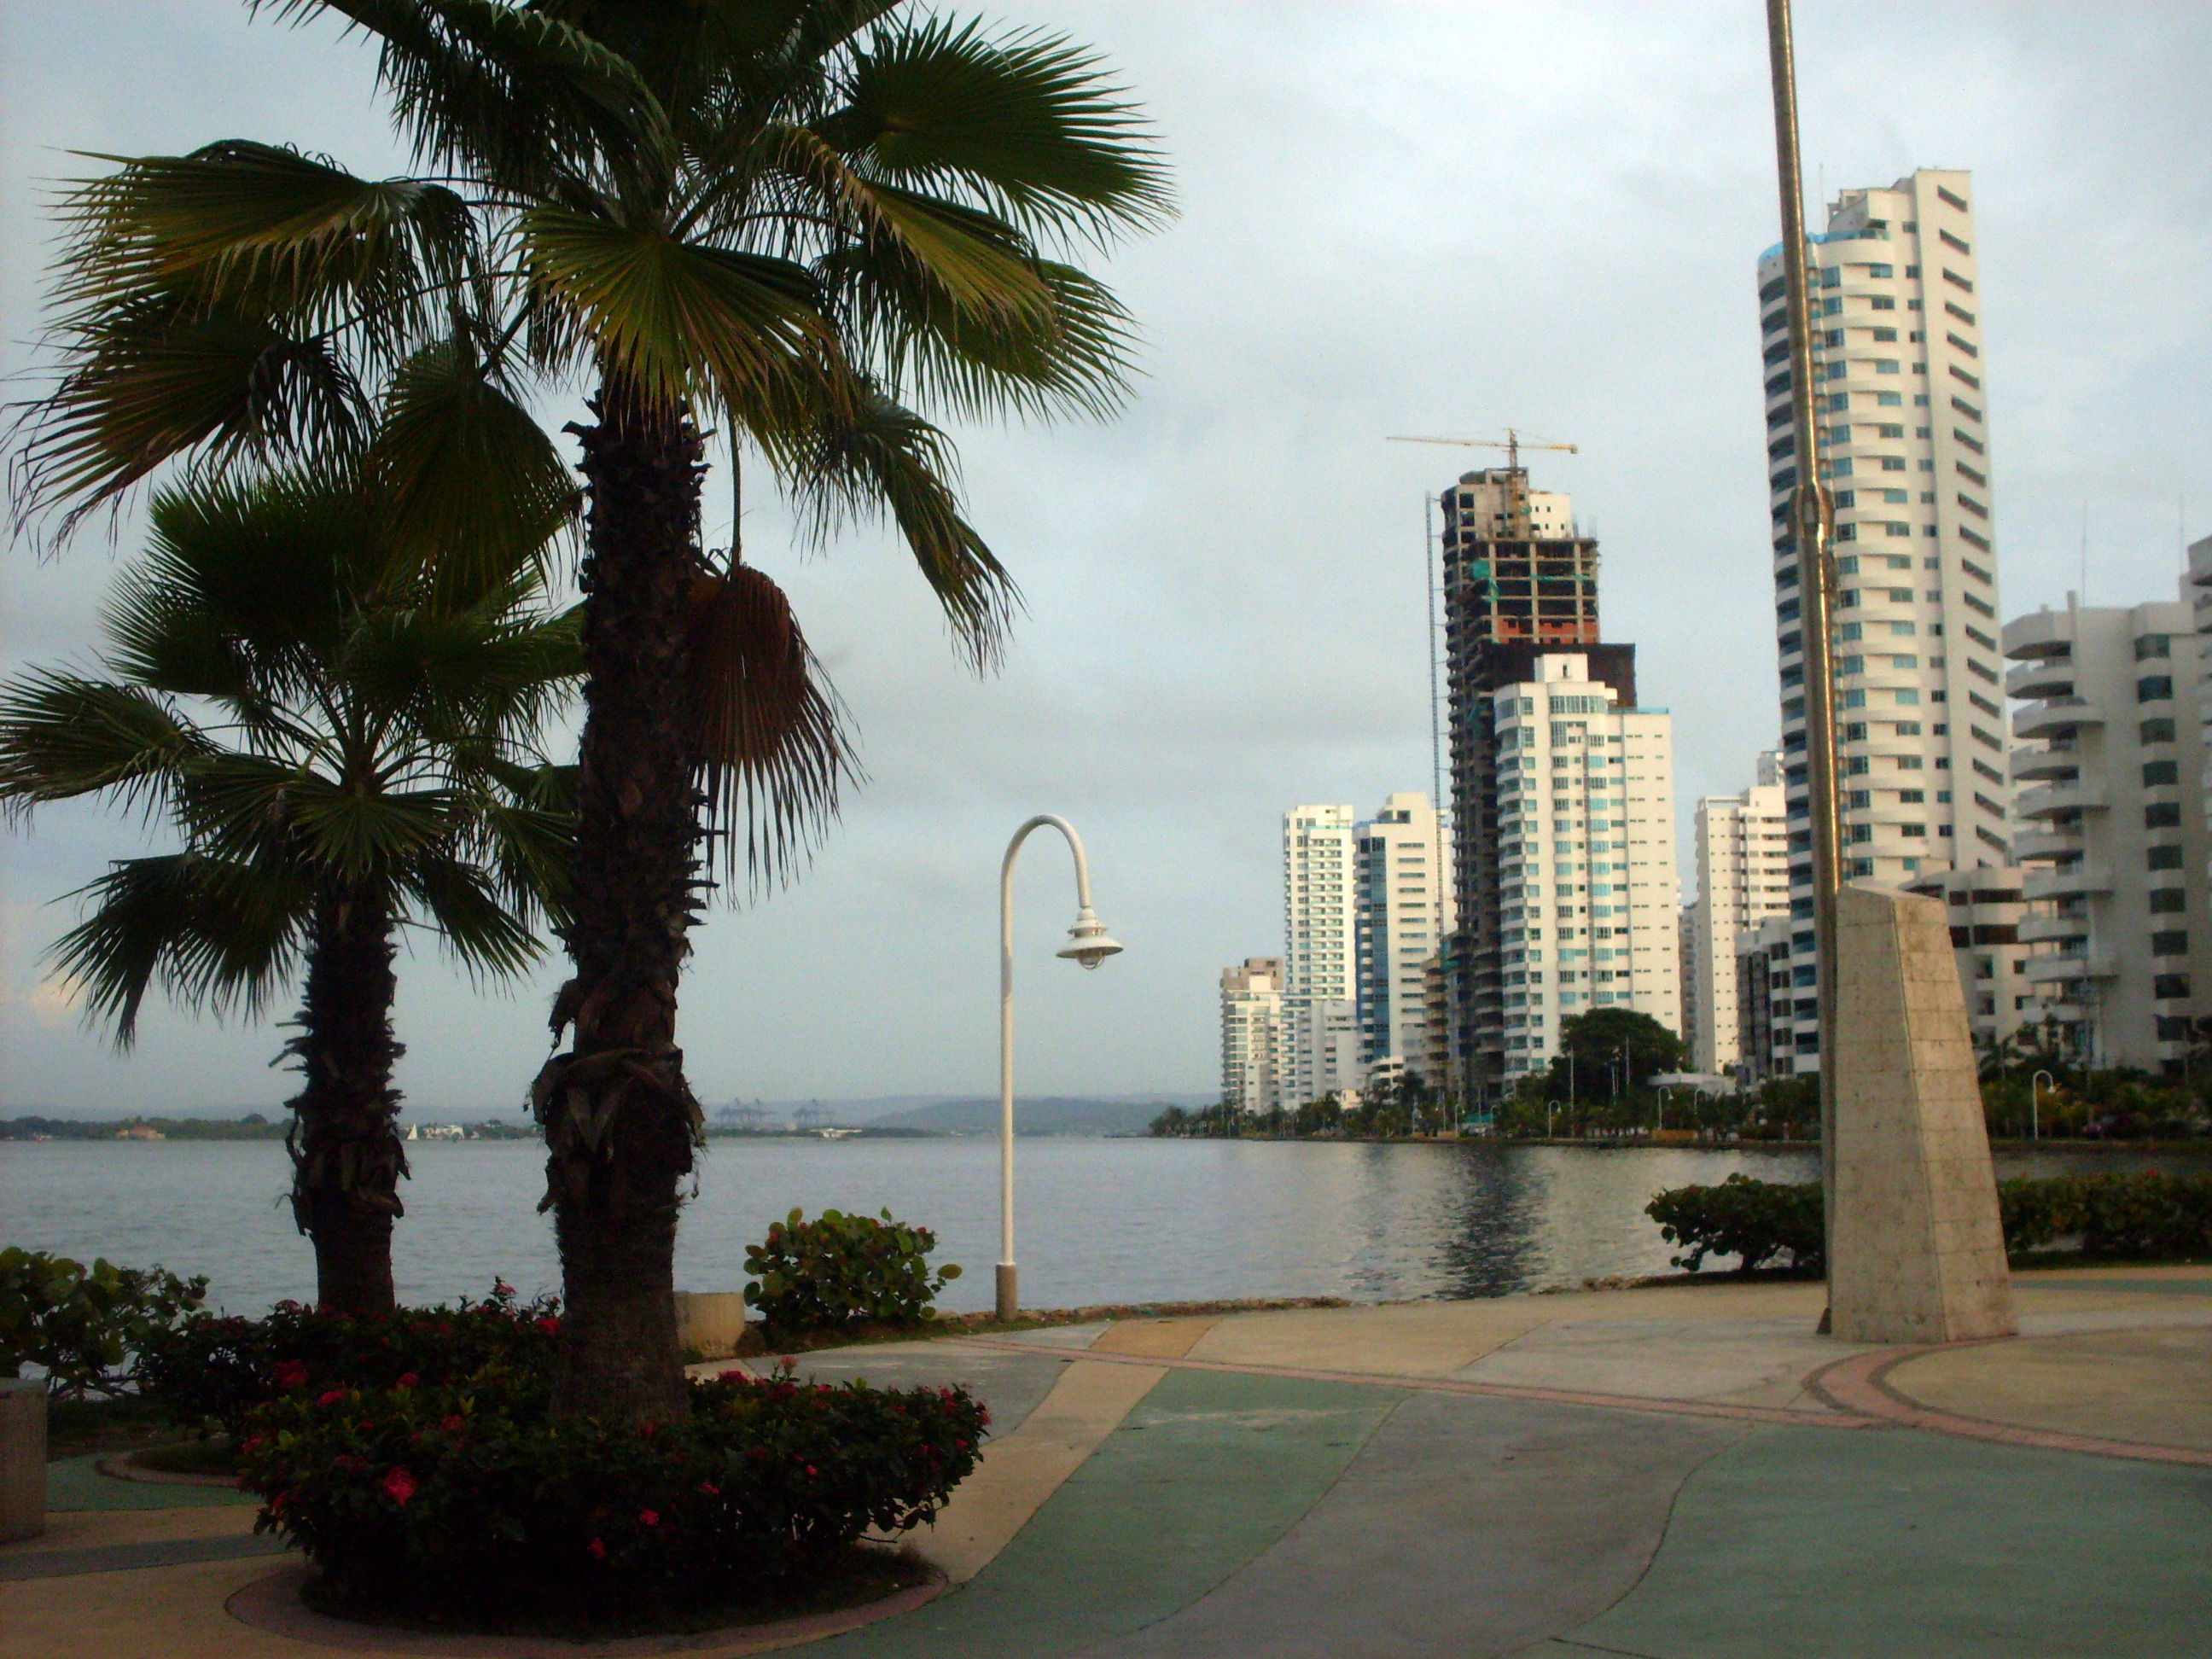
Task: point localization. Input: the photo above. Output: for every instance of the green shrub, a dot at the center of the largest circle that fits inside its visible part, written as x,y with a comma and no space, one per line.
218,1370
469,1499
842,1270
1754,1220
80,1325
2149,1214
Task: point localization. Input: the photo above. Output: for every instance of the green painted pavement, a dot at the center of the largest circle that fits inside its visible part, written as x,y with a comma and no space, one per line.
1207,1470
1824,1546
76,1483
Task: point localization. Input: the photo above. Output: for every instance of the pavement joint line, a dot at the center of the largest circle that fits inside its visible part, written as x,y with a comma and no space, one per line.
1662,1405
1859,1383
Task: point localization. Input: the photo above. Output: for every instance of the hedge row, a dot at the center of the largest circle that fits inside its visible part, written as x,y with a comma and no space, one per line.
1764,1223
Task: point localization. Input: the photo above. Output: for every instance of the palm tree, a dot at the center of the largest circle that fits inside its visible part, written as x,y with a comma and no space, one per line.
807,222
341,754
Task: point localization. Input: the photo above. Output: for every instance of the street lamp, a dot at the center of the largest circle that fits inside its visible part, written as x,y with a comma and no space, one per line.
1088,944
2035,1107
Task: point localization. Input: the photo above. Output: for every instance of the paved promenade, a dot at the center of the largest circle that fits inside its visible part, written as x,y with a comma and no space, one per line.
1676,1474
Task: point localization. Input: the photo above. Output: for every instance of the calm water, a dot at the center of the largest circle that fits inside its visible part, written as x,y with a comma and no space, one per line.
1099,1220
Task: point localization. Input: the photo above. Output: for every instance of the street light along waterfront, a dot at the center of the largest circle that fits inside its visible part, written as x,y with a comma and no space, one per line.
1088,944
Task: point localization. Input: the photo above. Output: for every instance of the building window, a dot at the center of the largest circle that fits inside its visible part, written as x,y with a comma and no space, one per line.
2154,688
2162,858
2158,772
2168,901
2168,987
2160,731
2153,645
2175,944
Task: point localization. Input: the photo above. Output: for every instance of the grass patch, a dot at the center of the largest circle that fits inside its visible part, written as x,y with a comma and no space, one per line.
211,1456
76,1428
852,1578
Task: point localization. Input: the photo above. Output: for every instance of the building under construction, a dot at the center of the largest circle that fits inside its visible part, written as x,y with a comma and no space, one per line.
1519,583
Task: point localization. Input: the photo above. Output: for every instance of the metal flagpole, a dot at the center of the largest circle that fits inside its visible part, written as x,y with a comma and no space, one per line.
1812,517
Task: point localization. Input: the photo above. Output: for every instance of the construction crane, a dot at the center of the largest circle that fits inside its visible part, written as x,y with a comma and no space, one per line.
1516,479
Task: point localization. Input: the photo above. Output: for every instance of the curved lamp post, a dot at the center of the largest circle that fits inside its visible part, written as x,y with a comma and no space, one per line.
1088,944
2035,1106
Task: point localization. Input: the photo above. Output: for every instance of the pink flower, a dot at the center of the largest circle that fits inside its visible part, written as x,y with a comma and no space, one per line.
330,1397
291,1374
650,1517
550,1326
597,1549
708,1489
399,1485
407,1380
454,1424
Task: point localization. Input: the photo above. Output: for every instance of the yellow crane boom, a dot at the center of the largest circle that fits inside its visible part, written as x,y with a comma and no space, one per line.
1517,476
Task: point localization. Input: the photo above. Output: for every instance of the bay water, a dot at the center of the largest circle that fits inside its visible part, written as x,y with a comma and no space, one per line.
1098,1220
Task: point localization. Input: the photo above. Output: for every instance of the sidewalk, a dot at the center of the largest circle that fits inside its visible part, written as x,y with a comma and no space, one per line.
1677,1473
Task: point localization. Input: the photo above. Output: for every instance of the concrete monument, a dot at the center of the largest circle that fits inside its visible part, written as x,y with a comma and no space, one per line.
1915,1253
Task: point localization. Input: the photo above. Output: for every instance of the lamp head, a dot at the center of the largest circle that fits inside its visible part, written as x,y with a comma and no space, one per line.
1087,941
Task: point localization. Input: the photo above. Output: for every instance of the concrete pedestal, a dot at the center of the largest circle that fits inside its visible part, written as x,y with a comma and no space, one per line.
1915,1251
712,1323
22,1458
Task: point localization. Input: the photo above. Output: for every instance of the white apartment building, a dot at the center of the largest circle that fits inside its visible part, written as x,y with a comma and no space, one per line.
1405,912
1986,908
1589,895
1320,933
1903,405
2112,822
1743,878
1252,1034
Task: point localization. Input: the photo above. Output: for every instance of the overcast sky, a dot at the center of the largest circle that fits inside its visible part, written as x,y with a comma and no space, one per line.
1395,219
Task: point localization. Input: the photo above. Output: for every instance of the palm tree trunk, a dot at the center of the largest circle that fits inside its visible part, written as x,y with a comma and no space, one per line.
620,1120
346,1156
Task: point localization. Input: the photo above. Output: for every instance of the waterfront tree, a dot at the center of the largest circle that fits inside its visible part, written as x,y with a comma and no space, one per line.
342,752
820,226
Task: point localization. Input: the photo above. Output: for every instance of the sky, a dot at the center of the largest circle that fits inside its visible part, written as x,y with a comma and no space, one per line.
1434,219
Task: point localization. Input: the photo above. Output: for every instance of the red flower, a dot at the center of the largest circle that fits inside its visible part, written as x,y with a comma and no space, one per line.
597,1549
549,1326
407,1380
330,1397
454,1424
650,1517
708,1489
809,1469
291,1374
399,1485
732,1376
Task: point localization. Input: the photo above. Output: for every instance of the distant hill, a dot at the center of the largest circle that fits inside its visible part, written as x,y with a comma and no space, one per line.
1048,1115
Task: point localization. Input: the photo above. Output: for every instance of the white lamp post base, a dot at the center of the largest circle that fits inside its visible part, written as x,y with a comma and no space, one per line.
1010,1301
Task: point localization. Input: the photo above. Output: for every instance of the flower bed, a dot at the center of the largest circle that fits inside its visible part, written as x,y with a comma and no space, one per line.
219,1369
466,1500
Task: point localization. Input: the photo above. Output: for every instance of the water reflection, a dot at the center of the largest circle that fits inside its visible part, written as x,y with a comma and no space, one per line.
1100,1220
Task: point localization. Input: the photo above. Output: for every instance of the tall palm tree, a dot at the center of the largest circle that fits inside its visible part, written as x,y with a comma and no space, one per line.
811,224
341,754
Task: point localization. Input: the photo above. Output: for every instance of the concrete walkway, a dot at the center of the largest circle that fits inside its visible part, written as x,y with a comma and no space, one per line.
1676,1473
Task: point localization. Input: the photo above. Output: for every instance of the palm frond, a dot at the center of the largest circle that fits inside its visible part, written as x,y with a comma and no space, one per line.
468,487
158,378
63,736
214,934
1027,122
518,95
465,909
678,321
266,231
883,458
771,736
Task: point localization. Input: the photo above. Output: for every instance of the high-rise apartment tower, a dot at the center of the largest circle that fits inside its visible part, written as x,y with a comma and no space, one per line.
1903,405
1405,912
1518,582
1743,878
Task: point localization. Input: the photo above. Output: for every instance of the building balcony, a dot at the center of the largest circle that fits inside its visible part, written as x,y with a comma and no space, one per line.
2039,678
2066,883
2051,799
2035,930
2034,846
2041,719
2039,634
2066,966
2044,762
